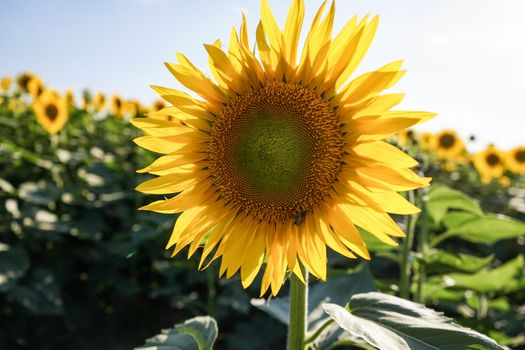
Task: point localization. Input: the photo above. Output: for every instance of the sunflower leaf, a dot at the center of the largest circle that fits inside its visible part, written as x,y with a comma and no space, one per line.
198,333
442,198
387,322
336,290
483,229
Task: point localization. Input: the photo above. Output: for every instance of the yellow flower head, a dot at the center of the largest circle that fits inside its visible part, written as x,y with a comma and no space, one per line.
406,137
117,106
425,138
35,87
281,156
70,98
490,163
51,111
132,108
448,145
23,81
516,160
99,102
5,83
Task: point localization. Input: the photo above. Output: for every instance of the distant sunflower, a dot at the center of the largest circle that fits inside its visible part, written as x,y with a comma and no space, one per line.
425,138
447,144
490,164
99,102
51,111
5,84
23,81
132,108
35,87
406,137
158,111
70,98
516,160
117,106
281,157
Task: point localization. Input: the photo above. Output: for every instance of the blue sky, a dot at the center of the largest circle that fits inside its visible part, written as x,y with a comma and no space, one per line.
464,57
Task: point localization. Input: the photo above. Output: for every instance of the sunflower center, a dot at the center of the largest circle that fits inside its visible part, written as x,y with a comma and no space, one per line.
275,151
520,156
447,141
51,112
493,159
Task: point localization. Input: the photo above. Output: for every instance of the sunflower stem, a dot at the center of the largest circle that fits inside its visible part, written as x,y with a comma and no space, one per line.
408,243
298,311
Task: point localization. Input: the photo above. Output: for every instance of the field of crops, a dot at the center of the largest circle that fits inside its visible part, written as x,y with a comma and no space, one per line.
82,268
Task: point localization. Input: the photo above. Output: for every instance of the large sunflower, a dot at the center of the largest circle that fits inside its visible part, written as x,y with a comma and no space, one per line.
51,111
516,160
490,164
281,156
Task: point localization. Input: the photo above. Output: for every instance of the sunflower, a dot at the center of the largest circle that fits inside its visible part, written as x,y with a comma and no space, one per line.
23,81
99,102
35,87
448,145
70,98
425,138
158,111
117,106
280,156
515,160
51,111
490,164
5,84
406,137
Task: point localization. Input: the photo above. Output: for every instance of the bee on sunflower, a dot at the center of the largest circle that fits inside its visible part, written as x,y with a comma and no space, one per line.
516,160
490,164
281,155
51,111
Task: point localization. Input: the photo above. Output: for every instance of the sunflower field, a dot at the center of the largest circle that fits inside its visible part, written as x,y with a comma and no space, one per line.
427,240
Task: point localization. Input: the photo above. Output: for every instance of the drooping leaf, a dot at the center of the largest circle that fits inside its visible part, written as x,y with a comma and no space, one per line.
485,281
387,322
336,290
483,229
198,333
439,260
442,198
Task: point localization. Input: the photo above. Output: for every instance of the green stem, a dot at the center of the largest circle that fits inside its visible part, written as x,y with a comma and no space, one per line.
318,332
423,250
298,311
408,243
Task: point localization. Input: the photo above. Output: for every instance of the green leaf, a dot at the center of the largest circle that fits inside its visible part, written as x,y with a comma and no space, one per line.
483,229
337,290
442,198
198,333
439,260
14,263
387,322
485,281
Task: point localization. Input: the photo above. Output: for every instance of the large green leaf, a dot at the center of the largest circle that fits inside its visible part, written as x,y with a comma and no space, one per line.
442,198
387,322
198,333
483,229
336,290
439,260
496,280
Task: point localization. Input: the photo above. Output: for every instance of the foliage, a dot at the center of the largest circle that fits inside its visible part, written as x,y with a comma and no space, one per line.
81,267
